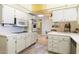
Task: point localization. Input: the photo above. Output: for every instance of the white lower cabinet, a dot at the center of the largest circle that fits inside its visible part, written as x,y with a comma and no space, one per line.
24,40
32,37
77,49
59,44
20,43
27,40
11,43
7,44
16,43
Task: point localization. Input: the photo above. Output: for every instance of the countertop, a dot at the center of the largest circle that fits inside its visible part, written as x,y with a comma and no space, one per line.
74,36
11,33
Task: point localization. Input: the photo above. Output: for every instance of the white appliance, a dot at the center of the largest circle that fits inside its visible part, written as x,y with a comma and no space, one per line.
21,22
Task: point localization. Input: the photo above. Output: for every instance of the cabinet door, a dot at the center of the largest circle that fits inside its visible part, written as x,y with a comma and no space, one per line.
27,40
8,14
59,44
35,36
19,14
11,45
57,16
54,43
33,40
77,49
70,14
23,41
20,45
64,45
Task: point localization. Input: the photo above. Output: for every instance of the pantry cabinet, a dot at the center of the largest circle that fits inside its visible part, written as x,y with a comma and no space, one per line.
59,44
7,14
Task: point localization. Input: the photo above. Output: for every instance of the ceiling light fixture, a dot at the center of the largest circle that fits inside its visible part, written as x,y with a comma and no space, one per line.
40,15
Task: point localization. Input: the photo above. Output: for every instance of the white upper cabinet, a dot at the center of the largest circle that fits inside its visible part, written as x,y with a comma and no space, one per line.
0,13
21,18
18,14
57,15
70,14
7,14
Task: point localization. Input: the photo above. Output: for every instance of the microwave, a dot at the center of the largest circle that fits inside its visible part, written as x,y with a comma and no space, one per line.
20,22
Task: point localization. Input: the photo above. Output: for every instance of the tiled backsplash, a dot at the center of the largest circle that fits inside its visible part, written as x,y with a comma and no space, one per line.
11,29
73,24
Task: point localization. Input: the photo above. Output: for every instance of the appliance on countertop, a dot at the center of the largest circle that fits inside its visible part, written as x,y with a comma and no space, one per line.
20,22
76,30
67,27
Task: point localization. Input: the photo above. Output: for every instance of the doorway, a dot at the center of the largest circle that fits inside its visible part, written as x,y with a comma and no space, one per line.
39,26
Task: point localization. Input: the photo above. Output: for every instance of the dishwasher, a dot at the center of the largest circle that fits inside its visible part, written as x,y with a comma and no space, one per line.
73,46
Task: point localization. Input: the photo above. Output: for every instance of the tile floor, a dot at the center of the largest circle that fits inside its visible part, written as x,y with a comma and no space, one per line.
39,48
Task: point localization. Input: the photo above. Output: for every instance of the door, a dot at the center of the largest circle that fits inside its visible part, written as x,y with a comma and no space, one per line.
39,26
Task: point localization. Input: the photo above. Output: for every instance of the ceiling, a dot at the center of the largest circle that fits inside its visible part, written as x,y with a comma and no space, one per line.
38,8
